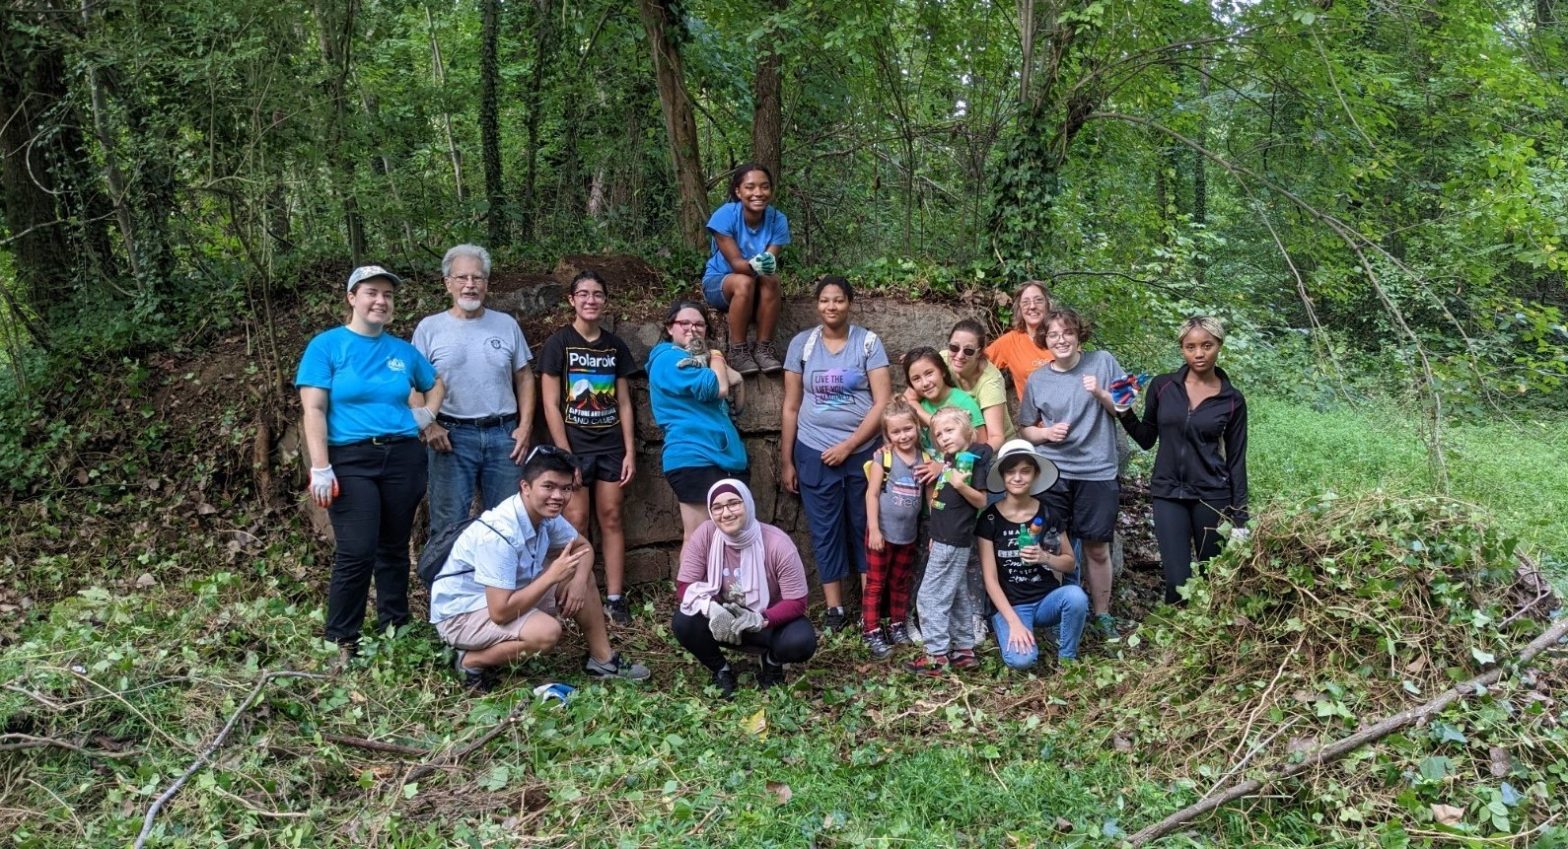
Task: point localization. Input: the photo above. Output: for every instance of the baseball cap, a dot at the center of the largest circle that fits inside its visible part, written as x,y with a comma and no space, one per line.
365,272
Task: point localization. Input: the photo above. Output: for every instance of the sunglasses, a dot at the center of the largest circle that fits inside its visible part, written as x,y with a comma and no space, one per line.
962,349
548,451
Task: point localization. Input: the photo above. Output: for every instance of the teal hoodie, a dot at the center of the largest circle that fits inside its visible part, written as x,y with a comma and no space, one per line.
696,421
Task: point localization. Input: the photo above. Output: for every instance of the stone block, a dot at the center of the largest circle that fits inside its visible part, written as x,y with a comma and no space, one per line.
649,513
652,565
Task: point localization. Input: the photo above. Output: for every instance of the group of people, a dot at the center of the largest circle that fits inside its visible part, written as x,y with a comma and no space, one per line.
1012,515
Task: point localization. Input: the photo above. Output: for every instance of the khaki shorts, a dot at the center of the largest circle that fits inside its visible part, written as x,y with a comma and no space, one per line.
473,631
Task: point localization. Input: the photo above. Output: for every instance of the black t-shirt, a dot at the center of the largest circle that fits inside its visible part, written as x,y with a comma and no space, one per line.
1022,583
588,371
953,518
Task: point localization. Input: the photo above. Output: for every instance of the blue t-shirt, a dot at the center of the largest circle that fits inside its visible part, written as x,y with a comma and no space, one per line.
836,388
729,220
367,379
696,421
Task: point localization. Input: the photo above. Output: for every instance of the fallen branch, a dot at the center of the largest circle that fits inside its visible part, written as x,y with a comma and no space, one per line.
376,745
456,757
217,742
15,742
1338,749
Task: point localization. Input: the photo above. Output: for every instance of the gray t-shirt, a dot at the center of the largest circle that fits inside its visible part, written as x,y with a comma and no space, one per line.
476,358
1051,396
899,505
837,387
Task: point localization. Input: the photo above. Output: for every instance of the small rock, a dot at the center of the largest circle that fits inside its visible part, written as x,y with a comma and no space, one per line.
145,580
1064,825
1501,762
1448,814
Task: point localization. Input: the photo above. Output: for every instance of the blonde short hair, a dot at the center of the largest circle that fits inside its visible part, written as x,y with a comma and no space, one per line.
958,413
1207,323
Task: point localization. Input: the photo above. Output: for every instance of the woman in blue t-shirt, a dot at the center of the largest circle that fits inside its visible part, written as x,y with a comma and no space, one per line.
691,400
367,467
741,278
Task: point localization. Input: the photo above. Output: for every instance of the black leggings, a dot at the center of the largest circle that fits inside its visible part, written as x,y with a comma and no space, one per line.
792,642
1182,526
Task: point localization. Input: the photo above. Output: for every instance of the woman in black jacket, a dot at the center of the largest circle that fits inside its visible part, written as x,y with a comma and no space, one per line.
1200,472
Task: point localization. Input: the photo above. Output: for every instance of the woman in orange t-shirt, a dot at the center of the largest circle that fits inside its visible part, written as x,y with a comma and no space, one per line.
1021,350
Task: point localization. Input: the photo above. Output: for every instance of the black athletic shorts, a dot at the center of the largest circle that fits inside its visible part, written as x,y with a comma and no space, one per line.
1088,507
691,485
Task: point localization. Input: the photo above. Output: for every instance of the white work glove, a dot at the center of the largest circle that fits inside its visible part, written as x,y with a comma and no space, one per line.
764,263
423,418
323,485
1240,535
721,623
746,619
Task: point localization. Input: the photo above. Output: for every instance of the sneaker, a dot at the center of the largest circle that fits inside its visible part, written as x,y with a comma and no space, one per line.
930,665
614,668
1106,625
618,610
741,360
346,653
833,621
963,659
767,356
474,680
770,674
898,634
879,647
724,680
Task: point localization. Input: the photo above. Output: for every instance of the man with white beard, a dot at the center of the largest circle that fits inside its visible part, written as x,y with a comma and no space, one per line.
480,433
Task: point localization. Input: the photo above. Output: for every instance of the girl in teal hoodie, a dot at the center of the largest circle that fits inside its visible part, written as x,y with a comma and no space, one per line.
690,390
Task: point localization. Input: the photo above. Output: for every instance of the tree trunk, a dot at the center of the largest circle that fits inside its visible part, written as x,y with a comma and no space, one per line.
32,81
664,29
439,69
112,174
767,115
490,120
337,21
544,42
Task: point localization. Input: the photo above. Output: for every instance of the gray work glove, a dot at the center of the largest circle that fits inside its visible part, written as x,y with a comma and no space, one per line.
745,619
721,623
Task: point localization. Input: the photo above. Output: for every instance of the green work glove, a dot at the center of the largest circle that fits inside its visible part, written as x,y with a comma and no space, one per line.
745,619
721,623
764,263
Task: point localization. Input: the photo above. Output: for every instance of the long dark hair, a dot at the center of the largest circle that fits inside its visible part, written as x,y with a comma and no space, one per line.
738,176
930,355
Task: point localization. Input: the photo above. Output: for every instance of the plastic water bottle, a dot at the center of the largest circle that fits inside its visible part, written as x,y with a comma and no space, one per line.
1030,534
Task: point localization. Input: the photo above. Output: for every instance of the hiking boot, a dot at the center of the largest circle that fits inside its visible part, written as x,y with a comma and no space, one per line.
618,610
963,659
767,356
898,634
879,647
605,670
724,681
833,621
476,681
770,674
1105,624
346,653
930,665
740,359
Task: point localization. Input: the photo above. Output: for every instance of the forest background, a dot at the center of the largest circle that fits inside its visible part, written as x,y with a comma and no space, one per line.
1372,194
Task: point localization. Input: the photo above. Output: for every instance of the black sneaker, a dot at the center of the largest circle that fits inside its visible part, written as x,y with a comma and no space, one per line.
770,674
876,644
724,680
615,668
475,681
618,610
833,621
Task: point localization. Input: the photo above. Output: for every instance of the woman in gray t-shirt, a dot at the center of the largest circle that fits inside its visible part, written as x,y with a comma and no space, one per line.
836,382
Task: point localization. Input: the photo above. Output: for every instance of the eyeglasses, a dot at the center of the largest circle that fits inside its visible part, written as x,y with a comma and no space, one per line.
469,278
690,325
589,295
719,508
1031,302
1060,337
962,349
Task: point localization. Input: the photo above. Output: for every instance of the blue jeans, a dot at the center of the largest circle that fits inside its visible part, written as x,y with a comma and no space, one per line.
834,498
481,458
1066,607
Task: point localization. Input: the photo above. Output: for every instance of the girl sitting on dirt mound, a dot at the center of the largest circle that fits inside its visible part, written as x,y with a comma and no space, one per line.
741,277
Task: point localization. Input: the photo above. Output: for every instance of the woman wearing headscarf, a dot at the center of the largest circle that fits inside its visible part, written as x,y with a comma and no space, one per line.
741,583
